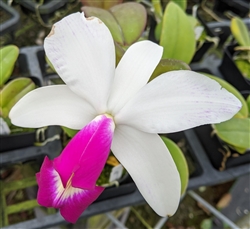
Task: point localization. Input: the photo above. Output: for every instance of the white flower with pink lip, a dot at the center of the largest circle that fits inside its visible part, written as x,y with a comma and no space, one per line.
83,54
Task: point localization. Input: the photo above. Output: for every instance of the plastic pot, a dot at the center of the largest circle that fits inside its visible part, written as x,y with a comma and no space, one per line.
212,146
215,149
22,156
26,139
222,29
17,141
30,63
207,44
126,186
10,19
239,7
46,10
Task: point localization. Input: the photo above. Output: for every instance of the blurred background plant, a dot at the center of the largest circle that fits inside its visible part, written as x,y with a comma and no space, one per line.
241,57
11,90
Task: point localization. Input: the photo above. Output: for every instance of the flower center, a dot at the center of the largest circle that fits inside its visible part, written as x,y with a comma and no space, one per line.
68,185
110,116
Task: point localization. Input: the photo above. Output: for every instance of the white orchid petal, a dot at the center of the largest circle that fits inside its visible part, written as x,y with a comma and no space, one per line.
176,101
151,166
52,105
82,52
133,72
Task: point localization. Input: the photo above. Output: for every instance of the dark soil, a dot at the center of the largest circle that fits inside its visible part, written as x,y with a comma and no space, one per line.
4,16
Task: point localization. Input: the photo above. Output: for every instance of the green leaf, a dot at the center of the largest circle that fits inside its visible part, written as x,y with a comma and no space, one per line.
238,149
180,162
200,34
132,18
199,30
206,224
14,91
244,67
119,52
126,21
50,64
8,57
235,132
157,10
177,35
166,65
243,112
92,3
70,132
240,31
157,32
181,3
105,4
193,20
108,19
248,104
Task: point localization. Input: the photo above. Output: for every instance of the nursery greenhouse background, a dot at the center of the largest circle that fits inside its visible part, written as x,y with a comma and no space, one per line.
209,37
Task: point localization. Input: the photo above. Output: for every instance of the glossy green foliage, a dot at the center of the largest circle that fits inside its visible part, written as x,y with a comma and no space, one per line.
193,20
158,13
248,103
105,4
240,31
244,67
109,20
132,18
126,21
119,52
157,32
235,132
70,132
181,3
177,34
166,65
242,36
12,92
50,64
8,57
157,9
180,162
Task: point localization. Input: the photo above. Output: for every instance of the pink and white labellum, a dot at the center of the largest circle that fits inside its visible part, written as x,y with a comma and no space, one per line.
69,181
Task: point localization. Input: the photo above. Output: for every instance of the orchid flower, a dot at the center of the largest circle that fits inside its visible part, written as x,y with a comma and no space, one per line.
82,52
68,182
